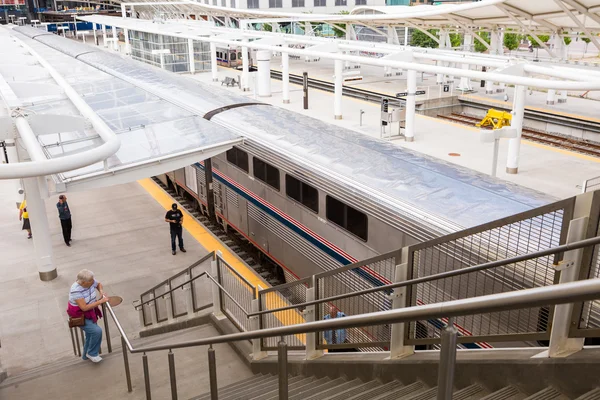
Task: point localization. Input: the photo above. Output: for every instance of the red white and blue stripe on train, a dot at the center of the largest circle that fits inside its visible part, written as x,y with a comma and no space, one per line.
322,244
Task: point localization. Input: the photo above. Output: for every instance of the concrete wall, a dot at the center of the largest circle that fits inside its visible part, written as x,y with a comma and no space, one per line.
435,107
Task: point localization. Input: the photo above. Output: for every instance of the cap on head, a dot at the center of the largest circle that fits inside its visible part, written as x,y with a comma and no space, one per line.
174,206
61,197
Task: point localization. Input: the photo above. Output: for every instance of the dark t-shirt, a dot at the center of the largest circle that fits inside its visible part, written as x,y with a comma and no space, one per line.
174,216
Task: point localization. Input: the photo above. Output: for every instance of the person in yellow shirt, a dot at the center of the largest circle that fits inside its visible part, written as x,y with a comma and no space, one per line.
24,216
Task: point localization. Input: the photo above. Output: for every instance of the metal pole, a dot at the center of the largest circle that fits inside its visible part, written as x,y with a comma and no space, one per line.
73,341
106,329
82,342
282,369
172,375
212,372
126,362
447,362
305,89
361,114
495,157
77,340
146,377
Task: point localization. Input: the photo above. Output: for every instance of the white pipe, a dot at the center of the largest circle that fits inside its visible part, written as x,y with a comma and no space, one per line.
285,76
104,36
115,38
245,65
263,61
337,97
514,145
411,83
127,43
68,163
191,56
213,62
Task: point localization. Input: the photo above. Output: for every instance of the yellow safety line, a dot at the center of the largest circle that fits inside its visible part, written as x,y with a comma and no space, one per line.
210,243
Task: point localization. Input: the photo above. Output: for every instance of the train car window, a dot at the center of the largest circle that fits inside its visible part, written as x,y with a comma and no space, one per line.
266,172
302,193
232,3
320,3
252,3
347,217
340,2
238,157
297,3
360,2
232,55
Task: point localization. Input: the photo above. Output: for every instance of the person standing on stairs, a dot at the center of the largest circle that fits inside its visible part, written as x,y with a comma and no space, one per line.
82,301
64,214
175,219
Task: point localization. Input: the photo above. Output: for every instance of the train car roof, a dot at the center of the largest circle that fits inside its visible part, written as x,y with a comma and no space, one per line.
459,195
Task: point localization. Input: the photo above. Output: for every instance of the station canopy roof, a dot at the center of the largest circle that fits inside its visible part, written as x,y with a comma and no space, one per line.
522,15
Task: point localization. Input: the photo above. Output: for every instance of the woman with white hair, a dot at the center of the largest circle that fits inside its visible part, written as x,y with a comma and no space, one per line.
82,302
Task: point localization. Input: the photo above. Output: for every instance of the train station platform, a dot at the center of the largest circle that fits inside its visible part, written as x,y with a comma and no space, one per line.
551,170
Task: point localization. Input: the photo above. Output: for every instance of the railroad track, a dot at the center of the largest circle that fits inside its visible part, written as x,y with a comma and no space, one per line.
233,240
555,140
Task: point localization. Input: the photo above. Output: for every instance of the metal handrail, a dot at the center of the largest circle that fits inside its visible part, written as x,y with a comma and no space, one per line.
442,275
527,298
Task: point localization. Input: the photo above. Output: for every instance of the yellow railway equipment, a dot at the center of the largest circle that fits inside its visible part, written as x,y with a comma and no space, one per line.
495,118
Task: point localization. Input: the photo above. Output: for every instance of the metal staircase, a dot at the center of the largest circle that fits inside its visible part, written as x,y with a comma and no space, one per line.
264,387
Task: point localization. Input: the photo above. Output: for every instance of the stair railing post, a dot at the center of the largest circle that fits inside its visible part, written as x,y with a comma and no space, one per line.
257,353
310,316
169,304
77,340
212,373
73,341
398,349
146,377
282,369
106,328
189,294
216,291
172,376
126,362
447,362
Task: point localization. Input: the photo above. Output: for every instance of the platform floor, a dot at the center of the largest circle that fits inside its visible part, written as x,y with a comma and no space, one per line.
557,172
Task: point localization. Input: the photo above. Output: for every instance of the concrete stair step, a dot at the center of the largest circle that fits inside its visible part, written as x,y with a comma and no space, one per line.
506,393
243,389
591,395
401,392
253,380
337,389
472,392
547,394
317,389
250,392
355,391
274,394
428,394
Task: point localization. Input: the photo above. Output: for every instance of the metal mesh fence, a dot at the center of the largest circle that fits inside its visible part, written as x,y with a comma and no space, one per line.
349,280
528,232
282,296
238,288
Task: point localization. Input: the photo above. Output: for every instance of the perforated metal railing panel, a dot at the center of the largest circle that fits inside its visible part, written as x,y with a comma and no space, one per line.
590,316
147,309
160,305
524,233
178,296
242,291
349,279
291,293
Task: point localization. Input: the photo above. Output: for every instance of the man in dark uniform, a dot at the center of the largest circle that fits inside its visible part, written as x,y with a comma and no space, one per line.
64,214
175,219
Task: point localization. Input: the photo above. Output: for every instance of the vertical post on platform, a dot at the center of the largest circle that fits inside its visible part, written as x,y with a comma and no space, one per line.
447,362
495,157
146,377
337,99
40,230
409,130
514,144
282,369
285,75
126,362
73,341
551,97
245,65
115,38
127,42
212,373
106,329
213,62
263,61
191,56
172,375
305,89
216,295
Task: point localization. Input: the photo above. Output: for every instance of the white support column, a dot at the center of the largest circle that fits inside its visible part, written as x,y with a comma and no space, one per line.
563,97
285,76
132,10
127,43
13,157
560,343
104,36
257,353
387,71
551,98
501,87
397,347
337,96
115,38
95,35
213,62
245,66
191,56
263,61
406,36
411,83
442,35
40,230
310,316
465,83
123,10
489,87
514,145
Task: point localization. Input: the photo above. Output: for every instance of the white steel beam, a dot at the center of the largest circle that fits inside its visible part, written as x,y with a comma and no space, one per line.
525,28
576,20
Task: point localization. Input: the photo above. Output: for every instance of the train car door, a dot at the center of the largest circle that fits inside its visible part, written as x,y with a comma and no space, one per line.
218,195
257,226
